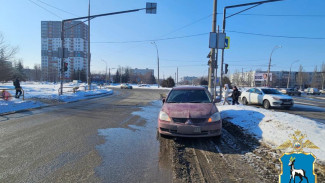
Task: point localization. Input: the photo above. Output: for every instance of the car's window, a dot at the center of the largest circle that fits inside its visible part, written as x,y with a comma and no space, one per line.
258,91
271,91
250,90
188,96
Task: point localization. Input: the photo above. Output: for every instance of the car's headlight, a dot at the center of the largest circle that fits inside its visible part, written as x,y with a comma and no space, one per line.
276,98
163,116
215,117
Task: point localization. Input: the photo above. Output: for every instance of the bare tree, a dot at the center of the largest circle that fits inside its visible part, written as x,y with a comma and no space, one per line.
314,82
300,77
236,78
6,55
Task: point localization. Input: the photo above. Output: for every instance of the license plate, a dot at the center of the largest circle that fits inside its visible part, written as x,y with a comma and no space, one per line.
188,129
286,102
197,130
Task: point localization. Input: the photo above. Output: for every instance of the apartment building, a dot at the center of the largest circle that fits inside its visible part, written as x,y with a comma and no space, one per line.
75,40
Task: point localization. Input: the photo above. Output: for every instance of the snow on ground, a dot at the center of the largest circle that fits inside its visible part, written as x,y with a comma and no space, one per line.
274,127
35,91
143,86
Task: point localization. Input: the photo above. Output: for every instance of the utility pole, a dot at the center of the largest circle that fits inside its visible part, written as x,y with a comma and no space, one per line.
177,76
88,70
106,71
154,43
268,71
212,56
290,73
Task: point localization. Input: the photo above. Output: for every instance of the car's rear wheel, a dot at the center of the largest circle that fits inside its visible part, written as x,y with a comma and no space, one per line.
244,101
266,104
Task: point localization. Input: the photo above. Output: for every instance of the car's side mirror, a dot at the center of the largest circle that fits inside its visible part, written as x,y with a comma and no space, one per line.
163,100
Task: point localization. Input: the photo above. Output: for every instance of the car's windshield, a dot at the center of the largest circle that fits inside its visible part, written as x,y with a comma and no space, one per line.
271,91
188,96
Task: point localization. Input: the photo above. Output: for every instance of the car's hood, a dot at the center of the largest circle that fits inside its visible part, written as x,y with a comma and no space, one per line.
189,110
280,96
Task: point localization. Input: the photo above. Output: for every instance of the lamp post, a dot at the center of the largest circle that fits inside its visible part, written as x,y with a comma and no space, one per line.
106,71
290,72
268,71
154,43
109,74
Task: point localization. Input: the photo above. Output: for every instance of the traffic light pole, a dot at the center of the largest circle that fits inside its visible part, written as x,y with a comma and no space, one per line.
224,26
89,17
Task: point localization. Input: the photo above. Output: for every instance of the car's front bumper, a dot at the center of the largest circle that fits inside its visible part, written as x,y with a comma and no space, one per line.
192,130
280,103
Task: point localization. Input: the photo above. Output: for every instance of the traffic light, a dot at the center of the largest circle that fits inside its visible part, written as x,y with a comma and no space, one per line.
65,66
226,68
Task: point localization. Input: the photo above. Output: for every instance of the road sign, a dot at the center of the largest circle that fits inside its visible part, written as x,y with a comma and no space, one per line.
213,40
151,8
227,42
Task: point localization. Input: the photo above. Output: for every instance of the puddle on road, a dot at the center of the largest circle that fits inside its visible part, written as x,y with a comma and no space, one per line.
133,154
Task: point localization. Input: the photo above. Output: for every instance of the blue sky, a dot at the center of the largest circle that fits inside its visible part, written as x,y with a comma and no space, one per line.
20,23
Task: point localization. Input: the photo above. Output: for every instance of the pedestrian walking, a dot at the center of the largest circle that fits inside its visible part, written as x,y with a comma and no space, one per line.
235,95
225,94
17,87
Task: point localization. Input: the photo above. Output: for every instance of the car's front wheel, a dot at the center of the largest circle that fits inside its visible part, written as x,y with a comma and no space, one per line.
266,104
244,101
287,107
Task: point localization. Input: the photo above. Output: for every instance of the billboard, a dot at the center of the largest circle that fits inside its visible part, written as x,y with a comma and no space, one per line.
262,76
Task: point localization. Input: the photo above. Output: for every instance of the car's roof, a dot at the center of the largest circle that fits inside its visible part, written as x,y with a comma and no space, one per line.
188,88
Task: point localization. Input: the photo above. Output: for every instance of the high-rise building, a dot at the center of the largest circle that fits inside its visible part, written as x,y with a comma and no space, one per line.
75,39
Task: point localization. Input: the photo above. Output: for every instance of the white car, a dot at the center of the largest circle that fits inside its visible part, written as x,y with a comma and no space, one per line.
268,97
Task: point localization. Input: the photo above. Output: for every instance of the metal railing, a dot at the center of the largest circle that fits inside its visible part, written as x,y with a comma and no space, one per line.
2,90
74,89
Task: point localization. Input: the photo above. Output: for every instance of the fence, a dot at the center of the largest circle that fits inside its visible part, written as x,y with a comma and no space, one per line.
74,89
3,90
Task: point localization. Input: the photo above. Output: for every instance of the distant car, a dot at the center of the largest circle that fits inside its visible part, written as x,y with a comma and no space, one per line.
126,86
144,85
290,92
312,91
189,111
268,97
322,91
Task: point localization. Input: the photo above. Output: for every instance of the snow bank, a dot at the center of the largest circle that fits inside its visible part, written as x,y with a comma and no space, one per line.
274,127
34,91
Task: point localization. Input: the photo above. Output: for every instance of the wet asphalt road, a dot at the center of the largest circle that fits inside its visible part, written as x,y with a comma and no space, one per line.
62,143
113,139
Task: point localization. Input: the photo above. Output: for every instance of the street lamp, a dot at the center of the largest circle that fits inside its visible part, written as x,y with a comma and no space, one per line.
268,71
106,70
290,72
109,74
154,43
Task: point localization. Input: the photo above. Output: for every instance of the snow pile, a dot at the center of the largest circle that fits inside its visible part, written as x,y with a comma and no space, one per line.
35,91
274,128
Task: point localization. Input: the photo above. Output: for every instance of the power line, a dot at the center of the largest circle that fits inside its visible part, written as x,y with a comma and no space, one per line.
279,36
150,40
187,25
57,8
45,9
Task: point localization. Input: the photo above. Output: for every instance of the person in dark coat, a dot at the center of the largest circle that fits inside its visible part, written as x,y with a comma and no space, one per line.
17,87
235,95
